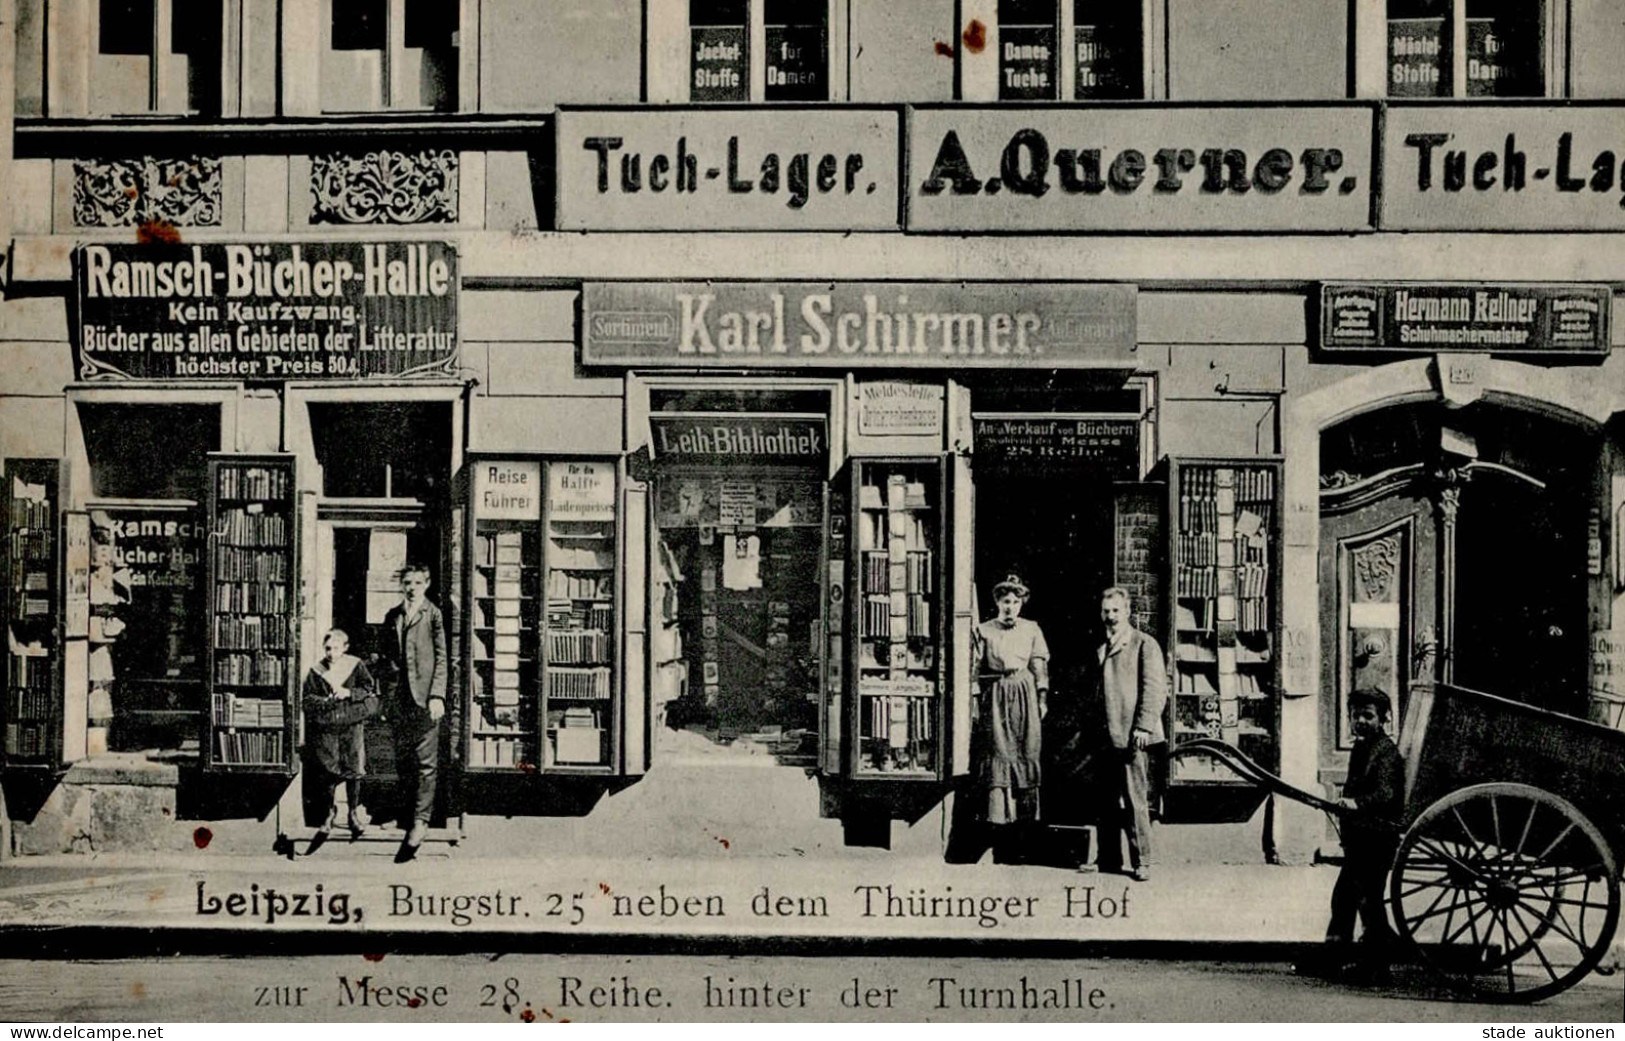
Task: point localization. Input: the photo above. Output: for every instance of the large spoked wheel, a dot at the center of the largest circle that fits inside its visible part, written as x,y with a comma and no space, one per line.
1506,891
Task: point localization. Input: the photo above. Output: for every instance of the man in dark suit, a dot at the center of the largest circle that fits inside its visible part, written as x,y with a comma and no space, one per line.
1126,700
415,635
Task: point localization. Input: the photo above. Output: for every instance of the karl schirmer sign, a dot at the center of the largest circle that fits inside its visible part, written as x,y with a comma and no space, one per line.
268,311
1487,318
857,325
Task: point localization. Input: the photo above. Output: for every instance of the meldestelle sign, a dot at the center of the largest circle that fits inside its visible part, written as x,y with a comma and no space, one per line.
858,325
1061,169
717,169
1514,168
267,311
1487,318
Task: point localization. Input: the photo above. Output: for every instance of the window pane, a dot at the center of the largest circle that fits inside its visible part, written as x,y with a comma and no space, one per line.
431,23
1028,67
1418,48
126,27
124,443
1107,49
719,50
195,33
797,51
360,25
1504,49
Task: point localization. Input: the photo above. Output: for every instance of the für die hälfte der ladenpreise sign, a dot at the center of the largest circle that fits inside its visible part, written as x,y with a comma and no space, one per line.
268,311
1486,318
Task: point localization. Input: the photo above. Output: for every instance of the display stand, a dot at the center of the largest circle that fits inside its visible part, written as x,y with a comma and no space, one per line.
253,639
1225,565
898,667
33,706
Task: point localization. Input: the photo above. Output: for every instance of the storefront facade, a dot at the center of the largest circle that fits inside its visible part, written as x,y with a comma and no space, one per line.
714,426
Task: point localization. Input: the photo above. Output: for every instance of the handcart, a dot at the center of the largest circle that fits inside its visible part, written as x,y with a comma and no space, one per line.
1506,881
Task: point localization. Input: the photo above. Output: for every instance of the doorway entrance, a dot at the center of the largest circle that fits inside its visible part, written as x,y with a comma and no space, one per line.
1453,548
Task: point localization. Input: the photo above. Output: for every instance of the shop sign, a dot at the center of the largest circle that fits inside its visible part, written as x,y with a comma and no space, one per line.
786,169
723,438
268,311
1512,168
581,490
1481,317
1108,445
891,409
916,325
508,490
1049,170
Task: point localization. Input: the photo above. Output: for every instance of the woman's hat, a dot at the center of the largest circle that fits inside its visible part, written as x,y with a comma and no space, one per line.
1010,583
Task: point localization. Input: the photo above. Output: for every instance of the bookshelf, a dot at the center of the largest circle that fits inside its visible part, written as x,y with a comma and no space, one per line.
897,572
1225,564
542,629
252,599
33,724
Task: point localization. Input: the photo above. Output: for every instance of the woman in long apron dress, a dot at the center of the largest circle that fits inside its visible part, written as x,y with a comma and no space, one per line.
337,747
1012,661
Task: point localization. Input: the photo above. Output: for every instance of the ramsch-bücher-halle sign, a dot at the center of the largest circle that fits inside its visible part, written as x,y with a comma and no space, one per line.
266,311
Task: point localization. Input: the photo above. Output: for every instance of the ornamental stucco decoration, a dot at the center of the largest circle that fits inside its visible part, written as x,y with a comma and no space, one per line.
183,191
384,187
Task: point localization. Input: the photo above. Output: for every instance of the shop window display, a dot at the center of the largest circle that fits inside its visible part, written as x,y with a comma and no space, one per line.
1502,55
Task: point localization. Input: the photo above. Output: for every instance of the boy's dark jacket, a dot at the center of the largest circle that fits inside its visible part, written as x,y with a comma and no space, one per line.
1376,783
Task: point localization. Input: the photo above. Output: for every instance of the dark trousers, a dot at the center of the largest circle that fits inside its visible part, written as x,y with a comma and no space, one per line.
1359,893
417,758
1124,786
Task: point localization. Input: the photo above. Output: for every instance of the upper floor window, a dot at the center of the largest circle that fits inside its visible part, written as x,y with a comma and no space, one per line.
156,56
745,50
1466,48
1075,50
389,54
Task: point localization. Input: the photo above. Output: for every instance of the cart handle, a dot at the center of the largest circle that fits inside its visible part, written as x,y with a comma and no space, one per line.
1243,766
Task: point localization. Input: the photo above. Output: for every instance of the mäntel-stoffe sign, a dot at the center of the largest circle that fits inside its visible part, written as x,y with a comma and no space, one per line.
924,325
267,311
786,169
1210,168
1486,318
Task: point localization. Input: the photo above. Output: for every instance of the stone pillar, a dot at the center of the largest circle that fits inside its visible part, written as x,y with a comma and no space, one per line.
106,803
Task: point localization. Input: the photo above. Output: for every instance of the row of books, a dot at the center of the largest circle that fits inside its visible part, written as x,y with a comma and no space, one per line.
898,493
242,528
31,513
580,556
231,710
900,721
1199,549
32,546
1252,581
250,565
580,614
1196,581
250,669
30,703
1255,485
502,547
914,574
880,620
563,585
248,747
30,671
254,482
251,632
1253,614
254,597
578,647
877,530
1242,683
499,751
26,739
589,683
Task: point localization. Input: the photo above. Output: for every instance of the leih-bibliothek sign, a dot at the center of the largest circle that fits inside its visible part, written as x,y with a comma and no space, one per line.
268,311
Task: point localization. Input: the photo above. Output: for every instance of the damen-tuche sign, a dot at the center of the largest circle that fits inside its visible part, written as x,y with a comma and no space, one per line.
270,311
858,325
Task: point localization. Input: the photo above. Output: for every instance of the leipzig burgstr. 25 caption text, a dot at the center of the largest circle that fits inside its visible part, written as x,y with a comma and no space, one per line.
510,907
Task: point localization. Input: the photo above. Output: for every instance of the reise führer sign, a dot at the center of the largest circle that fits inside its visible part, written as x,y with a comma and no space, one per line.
269,311
856,325
1486,318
